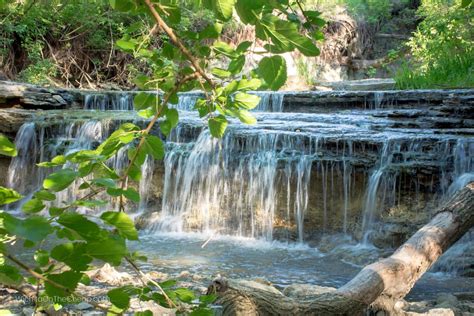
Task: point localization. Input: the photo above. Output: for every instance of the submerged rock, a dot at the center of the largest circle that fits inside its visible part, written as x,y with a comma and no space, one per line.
108,274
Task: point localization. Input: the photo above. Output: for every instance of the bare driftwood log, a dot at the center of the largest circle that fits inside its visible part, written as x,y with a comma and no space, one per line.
377,286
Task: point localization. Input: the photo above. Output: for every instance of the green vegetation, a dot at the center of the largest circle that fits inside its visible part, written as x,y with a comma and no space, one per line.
169,58
63,42
442,48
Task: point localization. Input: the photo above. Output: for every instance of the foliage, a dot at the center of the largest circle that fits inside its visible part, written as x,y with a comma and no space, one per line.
442,47
44,42
177,61
371,10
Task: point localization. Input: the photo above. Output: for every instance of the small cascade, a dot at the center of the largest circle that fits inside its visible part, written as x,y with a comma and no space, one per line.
230,187
456,158
23,166
109,101
292,176
370,205
270,101
41,142
145,185
378,99
187,101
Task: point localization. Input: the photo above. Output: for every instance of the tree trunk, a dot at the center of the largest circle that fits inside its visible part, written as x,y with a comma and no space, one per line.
378,285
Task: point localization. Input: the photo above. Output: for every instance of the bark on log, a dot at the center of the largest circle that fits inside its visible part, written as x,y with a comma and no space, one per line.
377,285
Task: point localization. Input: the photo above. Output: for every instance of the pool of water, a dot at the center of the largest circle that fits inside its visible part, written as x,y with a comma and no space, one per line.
279,263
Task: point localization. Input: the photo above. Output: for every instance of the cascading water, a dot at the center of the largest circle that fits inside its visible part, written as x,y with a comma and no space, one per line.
316,178
270,101
212,188
41,142
103,102
291,176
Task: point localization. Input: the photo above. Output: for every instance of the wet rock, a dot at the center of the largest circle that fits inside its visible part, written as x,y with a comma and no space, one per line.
83,306
446,300
156,275
12,119
197,277
361,85
108,274
28,311
200,289
34,97
184,274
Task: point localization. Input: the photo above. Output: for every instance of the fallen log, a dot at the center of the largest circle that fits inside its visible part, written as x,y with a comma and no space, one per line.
377,287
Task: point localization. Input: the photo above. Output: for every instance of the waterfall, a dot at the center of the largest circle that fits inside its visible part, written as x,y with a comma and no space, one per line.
37,142
378,99
270,101
145,184
370,205
112,101
293,176
457,169
224,186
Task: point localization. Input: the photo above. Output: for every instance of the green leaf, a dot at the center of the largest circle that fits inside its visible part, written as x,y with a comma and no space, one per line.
85,279
6,147
56,211
122,222
144,313
119,298
211,31
33,206
243,115
185,295
165,127
172,116
59,180
207,299
56,161
465,3
41,257
249,10
236,65
246,101
45,195
10,275
144,100
168,284
285,36
104,182
223,8
154,146
217,126
67,279
201,311
85,228
125,45
221,73
8,196
273,71
225,49
110,250
129,193
72,254
33,228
